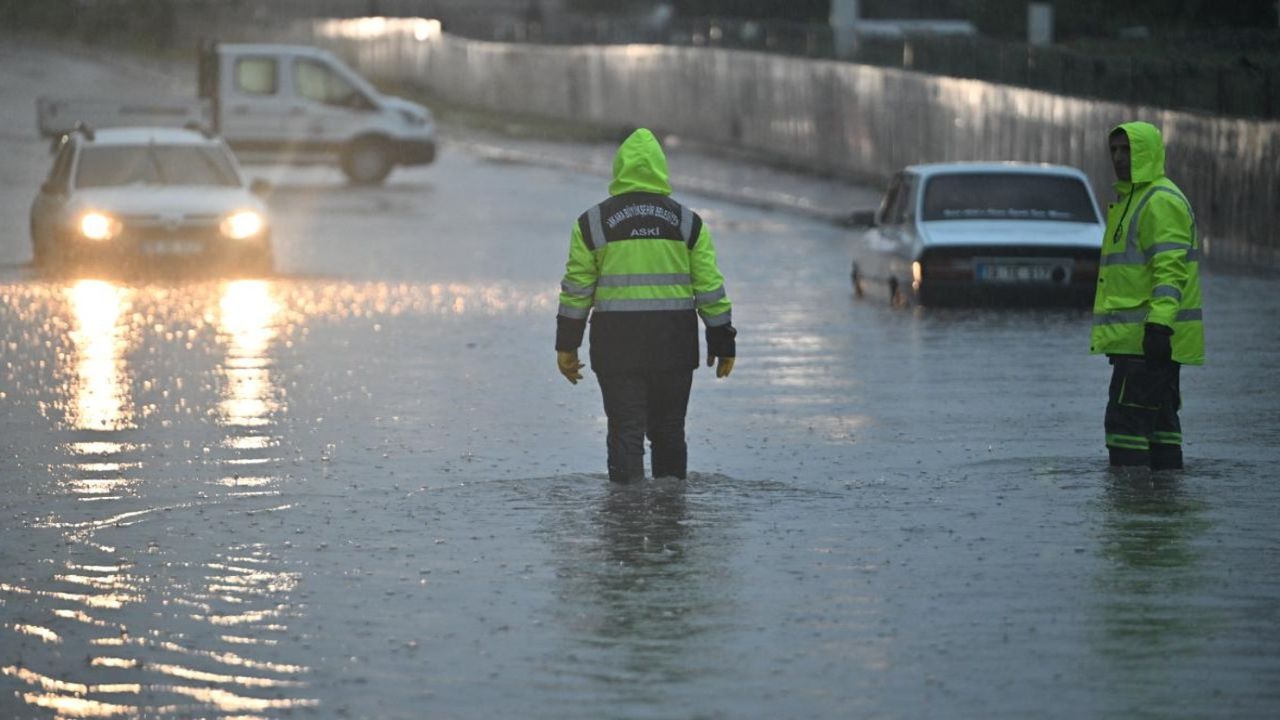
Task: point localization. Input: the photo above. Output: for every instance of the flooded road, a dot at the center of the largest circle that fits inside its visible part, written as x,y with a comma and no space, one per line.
359,488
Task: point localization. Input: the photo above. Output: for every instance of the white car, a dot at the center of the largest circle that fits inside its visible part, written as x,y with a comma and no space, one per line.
119,197
973,232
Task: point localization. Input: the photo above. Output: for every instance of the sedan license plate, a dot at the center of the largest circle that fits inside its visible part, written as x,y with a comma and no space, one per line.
171,247
1013,271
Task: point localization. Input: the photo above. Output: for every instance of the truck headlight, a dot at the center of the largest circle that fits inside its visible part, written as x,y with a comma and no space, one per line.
99,226
242,224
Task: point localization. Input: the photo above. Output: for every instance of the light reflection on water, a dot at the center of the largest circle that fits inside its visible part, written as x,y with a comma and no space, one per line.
164,402
247,318
100,390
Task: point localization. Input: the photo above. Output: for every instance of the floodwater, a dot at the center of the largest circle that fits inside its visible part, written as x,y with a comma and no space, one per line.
359,488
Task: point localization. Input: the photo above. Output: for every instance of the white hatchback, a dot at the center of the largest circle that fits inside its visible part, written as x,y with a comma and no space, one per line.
970,232
122,197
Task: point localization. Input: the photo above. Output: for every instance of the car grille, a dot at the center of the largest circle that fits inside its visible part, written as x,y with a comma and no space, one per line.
144,228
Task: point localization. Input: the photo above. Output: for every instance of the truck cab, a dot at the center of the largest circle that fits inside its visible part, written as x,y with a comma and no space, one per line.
302,105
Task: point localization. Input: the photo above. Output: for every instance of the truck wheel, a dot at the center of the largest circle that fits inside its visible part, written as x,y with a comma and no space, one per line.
367,162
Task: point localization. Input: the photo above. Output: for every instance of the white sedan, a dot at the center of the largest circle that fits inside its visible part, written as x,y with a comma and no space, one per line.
119,197
981,232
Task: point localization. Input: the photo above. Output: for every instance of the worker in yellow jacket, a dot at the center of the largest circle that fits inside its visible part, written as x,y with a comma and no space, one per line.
1147,314
643,267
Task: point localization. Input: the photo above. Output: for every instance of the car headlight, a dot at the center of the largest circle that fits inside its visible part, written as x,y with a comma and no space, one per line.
99,226
242,225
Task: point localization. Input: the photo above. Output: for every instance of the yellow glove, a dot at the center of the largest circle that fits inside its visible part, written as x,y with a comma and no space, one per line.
724,366
569,366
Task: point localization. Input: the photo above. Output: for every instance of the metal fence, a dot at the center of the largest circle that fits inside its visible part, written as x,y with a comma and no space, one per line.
1243,88
1242,79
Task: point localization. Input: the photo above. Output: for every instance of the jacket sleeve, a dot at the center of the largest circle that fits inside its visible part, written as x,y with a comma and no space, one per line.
1166,232
577,292
708,284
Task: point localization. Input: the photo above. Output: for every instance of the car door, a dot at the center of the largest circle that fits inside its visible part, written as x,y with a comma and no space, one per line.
898,231
870,255
49,207
887,242
252,104
327,108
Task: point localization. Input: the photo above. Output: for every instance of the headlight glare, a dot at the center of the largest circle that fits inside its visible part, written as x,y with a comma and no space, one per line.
242,225
98,226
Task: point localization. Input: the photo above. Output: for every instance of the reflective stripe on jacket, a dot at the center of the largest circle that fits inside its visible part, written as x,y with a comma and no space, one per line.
1150,264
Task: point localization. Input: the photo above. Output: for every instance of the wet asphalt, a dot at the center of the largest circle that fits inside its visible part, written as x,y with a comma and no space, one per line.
359,488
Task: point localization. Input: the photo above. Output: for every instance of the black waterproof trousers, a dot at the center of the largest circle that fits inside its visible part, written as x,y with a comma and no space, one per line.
1142,413
652,404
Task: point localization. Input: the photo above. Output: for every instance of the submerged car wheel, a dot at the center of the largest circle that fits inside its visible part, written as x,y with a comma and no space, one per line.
367,162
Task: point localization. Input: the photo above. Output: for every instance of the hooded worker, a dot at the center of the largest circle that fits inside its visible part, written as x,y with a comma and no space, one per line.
1147,315
643,267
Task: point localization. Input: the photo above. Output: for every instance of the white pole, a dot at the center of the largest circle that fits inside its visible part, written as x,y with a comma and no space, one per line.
1040,24
844,21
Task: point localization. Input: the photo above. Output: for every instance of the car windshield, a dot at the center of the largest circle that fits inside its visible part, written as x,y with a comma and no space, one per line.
112,165
1007,196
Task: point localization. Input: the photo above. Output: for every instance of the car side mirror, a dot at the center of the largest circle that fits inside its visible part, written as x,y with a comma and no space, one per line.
861,219
260,187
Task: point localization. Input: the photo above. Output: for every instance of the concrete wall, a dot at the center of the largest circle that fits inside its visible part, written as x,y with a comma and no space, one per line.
855,120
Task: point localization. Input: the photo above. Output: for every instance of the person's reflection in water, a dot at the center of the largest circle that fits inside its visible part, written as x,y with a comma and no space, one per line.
642,535
1150,589
648,590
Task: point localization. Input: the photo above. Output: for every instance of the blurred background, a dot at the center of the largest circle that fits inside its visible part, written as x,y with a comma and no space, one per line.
1221,57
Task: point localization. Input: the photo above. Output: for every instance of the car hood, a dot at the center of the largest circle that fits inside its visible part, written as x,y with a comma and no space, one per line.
169,201
1014,233
399,104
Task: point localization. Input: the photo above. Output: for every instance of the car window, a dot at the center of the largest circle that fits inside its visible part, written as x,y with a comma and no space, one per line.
1008,196
890,199
320,83
61,170
256,76
904,209
155,165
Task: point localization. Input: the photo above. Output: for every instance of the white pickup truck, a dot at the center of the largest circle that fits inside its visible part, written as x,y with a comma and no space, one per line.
272,103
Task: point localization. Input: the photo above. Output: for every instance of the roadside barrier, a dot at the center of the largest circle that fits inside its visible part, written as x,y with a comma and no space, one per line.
854,120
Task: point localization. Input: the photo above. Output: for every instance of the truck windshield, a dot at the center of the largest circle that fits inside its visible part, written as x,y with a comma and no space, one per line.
154,165
1007,196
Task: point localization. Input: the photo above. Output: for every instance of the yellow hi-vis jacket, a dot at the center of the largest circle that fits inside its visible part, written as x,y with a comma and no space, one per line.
640,264
1149,271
